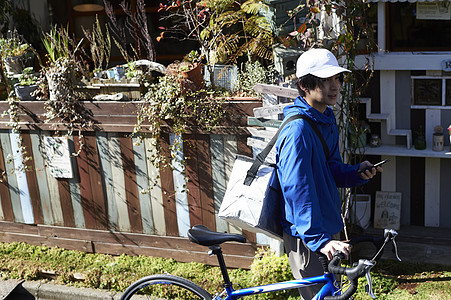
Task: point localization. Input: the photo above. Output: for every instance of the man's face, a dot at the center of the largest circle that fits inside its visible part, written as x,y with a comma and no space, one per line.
325,95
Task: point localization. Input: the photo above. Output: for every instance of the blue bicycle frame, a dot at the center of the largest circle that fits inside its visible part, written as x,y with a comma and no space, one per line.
201,235
328,279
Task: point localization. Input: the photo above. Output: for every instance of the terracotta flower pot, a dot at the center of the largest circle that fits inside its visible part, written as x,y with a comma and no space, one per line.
195,75
191,79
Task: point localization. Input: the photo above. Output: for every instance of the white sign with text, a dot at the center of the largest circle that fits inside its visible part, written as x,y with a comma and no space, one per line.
58,156
387,210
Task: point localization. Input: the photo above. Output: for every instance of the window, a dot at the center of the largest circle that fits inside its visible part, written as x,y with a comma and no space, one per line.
431,91
407,32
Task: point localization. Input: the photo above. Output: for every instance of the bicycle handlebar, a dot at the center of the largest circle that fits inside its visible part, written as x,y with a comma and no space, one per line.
363,267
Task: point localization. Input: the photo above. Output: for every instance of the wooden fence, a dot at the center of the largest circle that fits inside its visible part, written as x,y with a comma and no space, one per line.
103,207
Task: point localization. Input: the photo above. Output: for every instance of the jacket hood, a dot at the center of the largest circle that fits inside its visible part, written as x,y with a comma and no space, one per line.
301,106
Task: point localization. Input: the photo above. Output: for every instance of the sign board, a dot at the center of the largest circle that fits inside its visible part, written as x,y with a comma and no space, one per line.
387,210
434,10
58,156
446,65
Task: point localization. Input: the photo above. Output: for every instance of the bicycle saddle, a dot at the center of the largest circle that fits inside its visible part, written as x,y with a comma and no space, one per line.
201,235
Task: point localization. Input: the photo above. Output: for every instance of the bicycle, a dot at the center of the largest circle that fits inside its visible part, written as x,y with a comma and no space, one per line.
201,235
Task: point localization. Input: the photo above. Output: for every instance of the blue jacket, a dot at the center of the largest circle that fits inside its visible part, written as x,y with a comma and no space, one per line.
311,205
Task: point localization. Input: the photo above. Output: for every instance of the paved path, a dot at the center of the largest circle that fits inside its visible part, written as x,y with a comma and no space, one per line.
35,290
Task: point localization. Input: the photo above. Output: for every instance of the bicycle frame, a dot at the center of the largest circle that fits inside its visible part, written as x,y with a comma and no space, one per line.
327,279
201,235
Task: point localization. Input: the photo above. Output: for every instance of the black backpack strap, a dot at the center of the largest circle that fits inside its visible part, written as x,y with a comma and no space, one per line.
260,159
320,136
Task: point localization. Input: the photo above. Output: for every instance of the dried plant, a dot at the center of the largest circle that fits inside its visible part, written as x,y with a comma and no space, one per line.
99,44
135,25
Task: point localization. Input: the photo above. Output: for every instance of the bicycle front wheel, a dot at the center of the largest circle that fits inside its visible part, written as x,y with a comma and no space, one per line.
164,287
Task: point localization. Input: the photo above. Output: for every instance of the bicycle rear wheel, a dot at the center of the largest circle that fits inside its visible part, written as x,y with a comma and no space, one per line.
164,287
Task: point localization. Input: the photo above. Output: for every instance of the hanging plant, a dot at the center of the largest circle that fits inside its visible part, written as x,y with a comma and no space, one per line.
62,74
167,107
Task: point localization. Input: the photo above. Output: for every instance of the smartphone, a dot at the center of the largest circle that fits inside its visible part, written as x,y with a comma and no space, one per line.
376,164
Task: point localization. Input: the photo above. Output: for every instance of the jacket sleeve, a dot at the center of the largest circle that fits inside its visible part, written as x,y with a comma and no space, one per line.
298,185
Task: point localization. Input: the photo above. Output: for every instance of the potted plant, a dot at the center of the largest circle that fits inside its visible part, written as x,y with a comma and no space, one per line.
358,130
64,67
63,73
15,53
188,74
27,85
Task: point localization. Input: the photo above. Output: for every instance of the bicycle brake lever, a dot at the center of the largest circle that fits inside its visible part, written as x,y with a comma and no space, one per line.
369,286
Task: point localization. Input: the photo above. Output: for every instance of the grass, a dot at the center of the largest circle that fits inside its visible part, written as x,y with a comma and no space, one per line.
391,280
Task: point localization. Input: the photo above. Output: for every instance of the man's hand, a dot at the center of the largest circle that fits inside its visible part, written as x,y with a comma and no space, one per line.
368,174
333,246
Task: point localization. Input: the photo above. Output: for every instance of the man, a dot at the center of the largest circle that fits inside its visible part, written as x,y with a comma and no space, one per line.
311,205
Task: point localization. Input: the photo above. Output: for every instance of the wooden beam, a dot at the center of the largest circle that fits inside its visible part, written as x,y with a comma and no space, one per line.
263,122
276,90
237,255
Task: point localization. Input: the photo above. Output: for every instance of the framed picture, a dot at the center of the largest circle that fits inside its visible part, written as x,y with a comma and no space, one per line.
427,91
387,210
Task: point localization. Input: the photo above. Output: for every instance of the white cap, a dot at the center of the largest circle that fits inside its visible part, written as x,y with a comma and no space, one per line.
318,62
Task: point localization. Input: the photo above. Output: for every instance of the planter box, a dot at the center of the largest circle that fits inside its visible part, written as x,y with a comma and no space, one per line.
120,116
131,91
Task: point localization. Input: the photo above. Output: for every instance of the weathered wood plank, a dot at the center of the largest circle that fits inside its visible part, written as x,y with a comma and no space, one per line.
66,202
219,177
52,184
95,178
31,179
267,111
85,187
193,185
123,221
11,226
12,179
168,191
116,116
178,175
142,184
131,189
124,238
263,122
7,209
74,189
264,133
276,90
178,255
19,173
41,177
156,195
205,181
107,175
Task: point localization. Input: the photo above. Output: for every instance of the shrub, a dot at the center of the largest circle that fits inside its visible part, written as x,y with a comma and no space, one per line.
268,268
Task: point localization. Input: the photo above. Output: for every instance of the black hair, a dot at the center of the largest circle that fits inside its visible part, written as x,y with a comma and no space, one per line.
311,82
